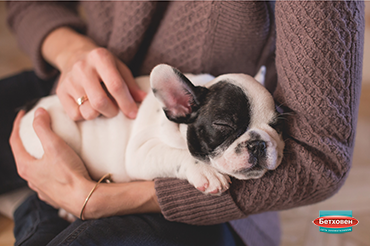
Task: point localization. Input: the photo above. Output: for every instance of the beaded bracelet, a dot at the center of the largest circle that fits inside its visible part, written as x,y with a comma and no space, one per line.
106,177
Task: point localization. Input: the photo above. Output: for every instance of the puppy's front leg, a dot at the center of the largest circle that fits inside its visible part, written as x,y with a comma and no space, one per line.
204,177
154,159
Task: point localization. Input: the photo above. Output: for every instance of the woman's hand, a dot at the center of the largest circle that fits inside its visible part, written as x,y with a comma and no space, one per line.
61,179
87,69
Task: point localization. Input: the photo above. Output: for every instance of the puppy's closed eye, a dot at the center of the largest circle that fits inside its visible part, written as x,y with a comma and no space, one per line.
223,125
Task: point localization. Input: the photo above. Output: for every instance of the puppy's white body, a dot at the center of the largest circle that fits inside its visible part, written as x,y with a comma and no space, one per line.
145,148
153,146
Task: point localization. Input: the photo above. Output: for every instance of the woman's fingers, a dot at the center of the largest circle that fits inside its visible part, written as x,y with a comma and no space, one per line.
107,69
135,91
107,83
80,82
14,137
21,156
98,101
67,92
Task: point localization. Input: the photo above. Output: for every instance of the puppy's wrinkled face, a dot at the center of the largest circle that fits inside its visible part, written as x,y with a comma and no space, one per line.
232,124
222,118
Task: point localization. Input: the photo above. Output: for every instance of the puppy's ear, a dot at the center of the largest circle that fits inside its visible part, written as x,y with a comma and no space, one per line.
179,97
260,76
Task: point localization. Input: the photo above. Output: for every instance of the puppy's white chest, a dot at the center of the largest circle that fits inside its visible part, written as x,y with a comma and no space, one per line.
108,145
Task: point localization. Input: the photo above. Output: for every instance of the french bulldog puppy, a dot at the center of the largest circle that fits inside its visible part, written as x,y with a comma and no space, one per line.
203,134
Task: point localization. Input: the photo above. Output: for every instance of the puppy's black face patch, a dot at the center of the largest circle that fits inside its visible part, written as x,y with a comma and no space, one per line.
222,118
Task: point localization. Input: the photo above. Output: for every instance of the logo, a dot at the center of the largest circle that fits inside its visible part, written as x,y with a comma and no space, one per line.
335,221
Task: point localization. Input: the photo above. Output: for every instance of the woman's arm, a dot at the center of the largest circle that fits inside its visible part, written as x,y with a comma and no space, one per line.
49,33
122,198
319,65
61,179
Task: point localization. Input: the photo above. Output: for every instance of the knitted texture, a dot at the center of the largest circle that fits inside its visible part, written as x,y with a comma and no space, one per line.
319,49
123,31
199,37
26,18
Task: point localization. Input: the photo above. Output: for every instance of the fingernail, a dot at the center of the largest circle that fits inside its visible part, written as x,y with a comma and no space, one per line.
132,114
143,94
38,112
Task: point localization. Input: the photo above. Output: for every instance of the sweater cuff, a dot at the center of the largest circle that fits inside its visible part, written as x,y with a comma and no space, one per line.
181,202
36,24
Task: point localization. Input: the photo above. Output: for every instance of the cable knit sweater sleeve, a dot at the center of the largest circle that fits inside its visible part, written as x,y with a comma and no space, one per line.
319,65
33,21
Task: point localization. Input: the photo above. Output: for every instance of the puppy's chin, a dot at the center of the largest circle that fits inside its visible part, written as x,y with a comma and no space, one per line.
254,173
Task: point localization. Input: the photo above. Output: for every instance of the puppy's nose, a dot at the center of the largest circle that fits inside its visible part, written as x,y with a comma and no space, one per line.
257,148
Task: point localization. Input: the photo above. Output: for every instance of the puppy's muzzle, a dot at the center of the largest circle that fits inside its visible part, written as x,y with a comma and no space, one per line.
256,148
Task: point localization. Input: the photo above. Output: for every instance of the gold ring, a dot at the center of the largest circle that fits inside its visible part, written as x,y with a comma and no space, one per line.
81,100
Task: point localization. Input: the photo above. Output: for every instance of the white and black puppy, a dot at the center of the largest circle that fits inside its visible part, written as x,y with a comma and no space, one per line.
200,133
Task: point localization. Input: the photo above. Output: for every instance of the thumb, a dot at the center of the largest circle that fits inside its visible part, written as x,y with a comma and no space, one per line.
42,127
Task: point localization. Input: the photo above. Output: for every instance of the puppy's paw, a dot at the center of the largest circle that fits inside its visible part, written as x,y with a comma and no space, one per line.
207,179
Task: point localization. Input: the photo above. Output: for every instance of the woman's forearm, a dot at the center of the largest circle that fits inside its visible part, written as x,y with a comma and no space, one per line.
120,199
322,90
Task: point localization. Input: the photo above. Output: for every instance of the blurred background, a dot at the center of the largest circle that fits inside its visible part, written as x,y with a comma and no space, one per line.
297,225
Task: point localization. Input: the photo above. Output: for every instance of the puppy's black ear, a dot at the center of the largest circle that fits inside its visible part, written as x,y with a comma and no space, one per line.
180,98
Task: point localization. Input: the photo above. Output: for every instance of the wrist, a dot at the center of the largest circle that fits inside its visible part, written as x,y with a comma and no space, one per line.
64,46
81,189
122,198
105,178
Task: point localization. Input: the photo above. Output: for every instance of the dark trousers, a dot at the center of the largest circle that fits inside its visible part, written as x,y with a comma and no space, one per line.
37,223
15,92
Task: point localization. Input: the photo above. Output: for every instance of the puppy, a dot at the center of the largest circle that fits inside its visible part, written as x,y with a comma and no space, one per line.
203,134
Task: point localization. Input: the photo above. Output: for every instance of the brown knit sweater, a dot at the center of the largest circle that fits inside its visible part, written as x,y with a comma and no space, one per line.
313,52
